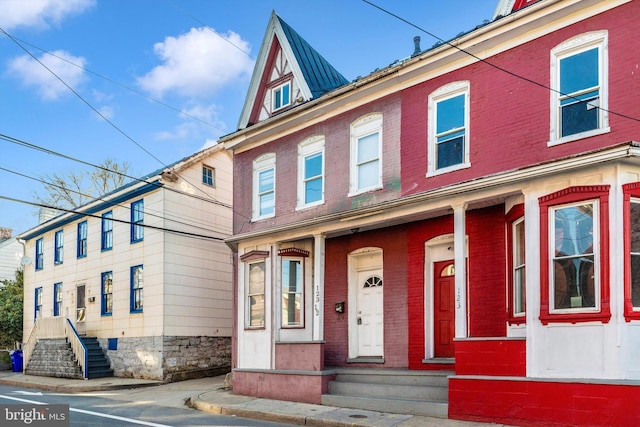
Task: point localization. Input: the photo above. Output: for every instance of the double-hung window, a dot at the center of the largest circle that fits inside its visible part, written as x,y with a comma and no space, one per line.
632,250
574,242
448,128
254,288
311,171
58,252
106,240
292,287
137,221
106,305
82,239
57,299
208,176
264,186
39,254
38,303
137,288
579,83
516,264
281,96
366,154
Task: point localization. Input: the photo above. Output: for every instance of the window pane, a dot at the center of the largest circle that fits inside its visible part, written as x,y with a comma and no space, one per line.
519,294
267,204
449,153
368,175
256,310
313,165
574,230
291,292
635,227
519,246
450,114
635,280
285,94
580,117
256,278
313,190
579,72
368,148
265,181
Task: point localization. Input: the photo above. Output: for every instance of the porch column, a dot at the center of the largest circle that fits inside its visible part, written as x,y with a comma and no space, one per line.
460,259
318,287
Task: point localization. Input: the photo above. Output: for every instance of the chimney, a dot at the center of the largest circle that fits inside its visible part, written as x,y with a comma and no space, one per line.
5,233
416,46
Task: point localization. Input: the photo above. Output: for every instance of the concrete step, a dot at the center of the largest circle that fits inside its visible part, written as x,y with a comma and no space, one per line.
396,406
411,392
394,377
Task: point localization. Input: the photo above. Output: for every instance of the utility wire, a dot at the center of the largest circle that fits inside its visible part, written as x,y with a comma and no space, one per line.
168,230
497,67
130,89
110,203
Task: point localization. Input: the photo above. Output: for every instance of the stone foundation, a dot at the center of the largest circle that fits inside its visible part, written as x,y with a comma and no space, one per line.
168,358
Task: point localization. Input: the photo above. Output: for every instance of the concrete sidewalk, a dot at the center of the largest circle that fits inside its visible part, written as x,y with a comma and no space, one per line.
212,395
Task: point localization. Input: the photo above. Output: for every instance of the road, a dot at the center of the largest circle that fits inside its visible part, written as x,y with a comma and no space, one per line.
160,406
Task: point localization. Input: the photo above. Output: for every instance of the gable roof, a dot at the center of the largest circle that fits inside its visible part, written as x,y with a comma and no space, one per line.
314,74
505,7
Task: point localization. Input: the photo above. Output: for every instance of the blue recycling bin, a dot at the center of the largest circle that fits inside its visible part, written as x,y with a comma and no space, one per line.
16,360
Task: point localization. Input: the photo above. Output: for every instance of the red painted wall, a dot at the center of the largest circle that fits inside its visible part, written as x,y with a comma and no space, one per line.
393,242
496,357
503,105
544,403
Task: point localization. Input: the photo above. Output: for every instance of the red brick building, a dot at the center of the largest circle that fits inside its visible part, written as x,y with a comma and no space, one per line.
470,211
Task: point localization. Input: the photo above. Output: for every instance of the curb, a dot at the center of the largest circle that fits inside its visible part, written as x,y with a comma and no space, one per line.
73,389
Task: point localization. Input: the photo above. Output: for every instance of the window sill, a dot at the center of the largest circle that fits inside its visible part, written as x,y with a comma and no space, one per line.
448,169
364,190
574,318
578,136
520,320
260,218
309,206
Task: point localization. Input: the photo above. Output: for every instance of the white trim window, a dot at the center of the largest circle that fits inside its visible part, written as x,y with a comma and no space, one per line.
264,186
281,96
311,172
579,100
519,283
292,292
448,129
255,294
366,154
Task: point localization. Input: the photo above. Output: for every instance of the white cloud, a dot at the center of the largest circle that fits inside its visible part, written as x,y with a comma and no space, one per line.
39,13
197,63
193,129
32,73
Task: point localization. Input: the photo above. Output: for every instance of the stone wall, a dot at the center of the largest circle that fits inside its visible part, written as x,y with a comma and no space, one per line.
169,358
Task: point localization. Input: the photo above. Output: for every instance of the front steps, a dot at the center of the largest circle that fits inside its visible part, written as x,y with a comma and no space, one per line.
391,390
53,358
99,366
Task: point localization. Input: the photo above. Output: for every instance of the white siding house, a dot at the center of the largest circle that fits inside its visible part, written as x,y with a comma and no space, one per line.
145,270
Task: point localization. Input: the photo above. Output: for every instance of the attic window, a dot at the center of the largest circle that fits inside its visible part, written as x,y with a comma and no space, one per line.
281,96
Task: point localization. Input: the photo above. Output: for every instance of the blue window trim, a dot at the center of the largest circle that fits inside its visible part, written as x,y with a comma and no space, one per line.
58,247
131,289
137,221
57,288
38,292
82,239
39,254
103,304
106,239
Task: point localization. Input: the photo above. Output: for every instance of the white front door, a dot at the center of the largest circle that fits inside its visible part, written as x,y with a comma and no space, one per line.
370,313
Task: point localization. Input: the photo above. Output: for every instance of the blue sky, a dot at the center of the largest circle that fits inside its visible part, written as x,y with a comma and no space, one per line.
134,65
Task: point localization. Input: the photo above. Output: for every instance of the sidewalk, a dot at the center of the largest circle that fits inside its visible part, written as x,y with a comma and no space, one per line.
211,395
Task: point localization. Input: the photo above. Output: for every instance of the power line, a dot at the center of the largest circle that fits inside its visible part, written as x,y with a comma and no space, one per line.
497,67
146,211
168,230
130,89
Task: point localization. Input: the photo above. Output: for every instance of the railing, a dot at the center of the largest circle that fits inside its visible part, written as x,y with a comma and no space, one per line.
56,327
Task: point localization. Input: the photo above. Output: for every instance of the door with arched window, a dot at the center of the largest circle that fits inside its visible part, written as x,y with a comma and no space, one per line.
370,313
443,309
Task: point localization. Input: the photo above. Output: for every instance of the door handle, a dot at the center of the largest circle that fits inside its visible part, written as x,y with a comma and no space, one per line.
359,320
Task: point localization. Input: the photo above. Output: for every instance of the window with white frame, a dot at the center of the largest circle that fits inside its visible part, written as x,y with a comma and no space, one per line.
208,176
574,281
311,171
281,96
57,299
58,253
39,254
579,74
631,215
255,294
292,286
366,154
448,128
516,264
634,252
264,186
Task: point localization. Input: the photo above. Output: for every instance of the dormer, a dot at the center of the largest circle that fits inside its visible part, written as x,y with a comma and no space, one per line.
288,72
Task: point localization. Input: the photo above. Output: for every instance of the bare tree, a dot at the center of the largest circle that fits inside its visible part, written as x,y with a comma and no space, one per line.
68,190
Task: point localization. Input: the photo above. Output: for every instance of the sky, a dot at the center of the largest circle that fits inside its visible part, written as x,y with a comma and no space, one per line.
149,82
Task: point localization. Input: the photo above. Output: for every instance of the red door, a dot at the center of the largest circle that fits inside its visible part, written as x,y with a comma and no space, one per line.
444,309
